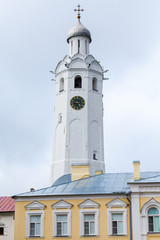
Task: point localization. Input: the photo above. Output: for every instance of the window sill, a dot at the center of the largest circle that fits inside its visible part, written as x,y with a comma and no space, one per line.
62,236
90,235
34,237
152,233
118,235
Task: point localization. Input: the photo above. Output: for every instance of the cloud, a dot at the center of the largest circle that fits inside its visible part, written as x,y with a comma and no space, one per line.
132,116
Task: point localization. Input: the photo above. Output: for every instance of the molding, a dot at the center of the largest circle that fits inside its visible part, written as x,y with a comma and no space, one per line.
89,211
116,203
69,197
88,204
55,213
62,204
144,216
35,205
30,213
151,203
118,211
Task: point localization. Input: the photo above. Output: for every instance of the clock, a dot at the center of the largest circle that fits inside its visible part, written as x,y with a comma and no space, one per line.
77,102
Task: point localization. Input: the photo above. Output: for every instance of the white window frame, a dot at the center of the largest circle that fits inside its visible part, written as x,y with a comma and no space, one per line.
117,211
61,212
153,215
152,203
34,213
89,211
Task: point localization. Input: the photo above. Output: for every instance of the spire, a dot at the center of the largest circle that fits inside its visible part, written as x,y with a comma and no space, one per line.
79,10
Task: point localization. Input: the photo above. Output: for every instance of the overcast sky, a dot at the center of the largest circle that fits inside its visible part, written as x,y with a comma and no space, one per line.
126,40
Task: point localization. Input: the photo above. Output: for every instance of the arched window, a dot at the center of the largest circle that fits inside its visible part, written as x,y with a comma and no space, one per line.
78,82
1,231
61,85
94,84
153,220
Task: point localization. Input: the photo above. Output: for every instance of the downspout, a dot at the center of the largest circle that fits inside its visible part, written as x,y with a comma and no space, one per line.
130,216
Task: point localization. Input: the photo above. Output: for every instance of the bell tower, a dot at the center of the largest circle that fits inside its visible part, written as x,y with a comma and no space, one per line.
78,115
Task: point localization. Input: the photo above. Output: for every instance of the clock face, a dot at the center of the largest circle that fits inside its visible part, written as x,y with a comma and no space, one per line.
77,102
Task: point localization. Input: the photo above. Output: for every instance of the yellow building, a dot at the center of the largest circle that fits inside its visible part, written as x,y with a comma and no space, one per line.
104,206
83,201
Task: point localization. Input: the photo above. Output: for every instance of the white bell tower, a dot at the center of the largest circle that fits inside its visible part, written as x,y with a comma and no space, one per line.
78,116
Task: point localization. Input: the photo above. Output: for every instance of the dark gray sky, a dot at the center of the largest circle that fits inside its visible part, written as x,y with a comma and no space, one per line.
126,40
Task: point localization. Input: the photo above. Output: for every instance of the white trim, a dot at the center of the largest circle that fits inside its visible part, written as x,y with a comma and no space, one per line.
62,204
35,205
118,211
151,203
55,213
38,213
70,197
116,203
144,215
88,204
89,211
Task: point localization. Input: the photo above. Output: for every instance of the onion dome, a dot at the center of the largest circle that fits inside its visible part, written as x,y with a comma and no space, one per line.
79,31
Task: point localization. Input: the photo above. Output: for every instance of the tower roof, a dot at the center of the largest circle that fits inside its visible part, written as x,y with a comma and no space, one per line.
79,30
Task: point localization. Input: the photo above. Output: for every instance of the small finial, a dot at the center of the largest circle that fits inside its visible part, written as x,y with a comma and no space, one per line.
79,11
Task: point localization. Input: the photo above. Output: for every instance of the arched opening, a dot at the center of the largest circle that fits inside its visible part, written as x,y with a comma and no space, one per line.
71,47
86,46
78,45
153,220
94,84
78,82
61,85
1,231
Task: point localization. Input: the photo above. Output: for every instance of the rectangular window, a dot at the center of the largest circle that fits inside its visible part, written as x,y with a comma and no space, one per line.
117,224
35,225
89,224
62,225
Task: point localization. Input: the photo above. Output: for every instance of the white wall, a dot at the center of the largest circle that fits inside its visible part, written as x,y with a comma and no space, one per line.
7,221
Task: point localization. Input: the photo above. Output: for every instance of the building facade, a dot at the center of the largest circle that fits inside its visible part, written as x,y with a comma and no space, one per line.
6,218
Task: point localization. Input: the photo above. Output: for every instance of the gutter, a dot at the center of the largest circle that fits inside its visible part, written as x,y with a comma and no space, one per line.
130,216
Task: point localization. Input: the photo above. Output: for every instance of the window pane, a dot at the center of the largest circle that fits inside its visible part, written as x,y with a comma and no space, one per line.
32,229
59,232
150,220
78,82
114,227
92,228
34,219
117,217
65,228
86,228
153,211
61,218
156,224
37,229
88,217
1,231
120,227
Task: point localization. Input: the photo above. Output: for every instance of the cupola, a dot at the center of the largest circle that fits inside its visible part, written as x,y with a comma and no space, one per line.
79,37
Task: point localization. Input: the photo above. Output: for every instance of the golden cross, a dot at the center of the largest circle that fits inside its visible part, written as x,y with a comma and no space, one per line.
79,11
